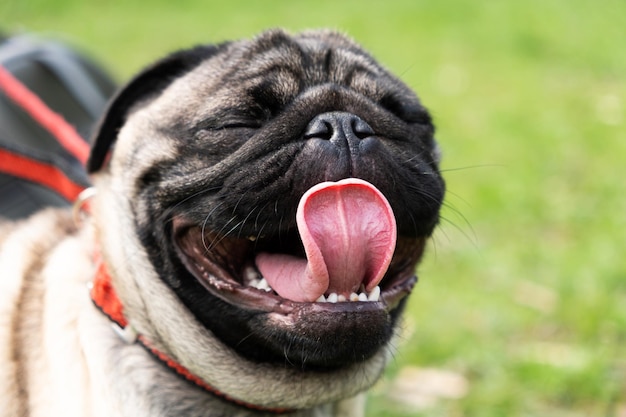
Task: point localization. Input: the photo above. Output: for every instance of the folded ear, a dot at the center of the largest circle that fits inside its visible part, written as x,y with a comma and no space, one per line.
150,81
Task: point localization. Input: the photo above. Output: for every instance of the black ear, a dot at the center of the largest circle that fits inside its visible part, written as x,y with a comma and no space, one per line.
150,81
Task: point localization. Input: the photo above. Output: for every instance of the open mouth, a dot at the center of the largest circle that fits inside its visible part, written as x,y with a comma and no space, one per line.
343,256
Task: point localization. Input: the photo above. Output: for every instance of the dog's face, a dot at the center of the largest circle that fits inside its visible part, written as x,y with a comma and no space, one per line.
218,163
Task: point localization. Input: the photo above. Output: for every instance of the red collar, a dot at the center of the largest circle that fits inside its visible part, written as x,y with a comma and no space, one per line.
105,298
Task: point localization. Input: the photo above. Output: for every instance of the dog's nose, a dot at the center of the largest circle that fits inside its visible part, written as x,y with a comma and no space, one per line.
340,128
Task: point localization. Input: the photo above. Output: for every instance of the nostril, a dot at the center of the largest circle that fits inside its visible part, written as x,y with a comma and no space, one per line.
319,128
338,127
361,129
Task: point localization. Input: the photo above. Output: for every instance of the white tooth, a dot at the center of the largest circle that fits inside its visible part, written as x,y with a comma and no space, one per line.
332,297
341,298
375,294
254,283
322,299
263,285
354,297
362,297
251,274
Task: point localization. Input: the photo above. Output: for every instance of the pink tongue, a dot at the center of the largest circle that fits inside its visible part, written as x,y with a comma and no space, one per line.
349,236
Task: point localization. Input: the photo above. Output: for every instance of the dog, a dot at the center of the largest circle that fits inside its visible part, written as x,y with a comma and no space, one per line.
259,211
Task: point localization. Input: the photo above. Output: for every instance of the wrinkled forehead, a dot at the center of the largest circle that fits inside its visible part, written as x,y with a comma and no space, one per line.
308,61
284,66
274,68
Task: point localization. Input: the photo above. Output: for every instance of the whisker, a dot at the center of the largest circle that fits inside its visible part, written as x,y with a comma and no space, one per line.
243,222
219,236
472,167
256,220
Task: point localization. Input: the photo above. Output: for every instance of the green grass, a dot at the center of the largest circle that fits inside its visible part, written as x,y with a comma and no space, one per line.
524,290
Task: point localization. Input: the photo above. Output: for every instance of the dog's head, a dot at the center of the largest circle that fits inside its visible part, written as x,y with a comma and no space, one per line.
275,196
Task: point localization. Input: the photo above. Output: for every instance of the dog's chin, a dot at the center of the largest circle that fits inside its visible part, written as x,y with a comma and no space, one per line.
258,323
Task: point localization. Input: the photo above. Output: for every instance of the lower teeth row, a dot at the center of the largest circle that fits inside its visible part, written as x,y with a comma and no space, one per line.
374,295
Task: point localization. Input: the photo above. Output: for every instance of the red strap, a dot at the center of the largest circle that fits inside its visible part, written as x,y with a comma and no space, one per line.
184,372
51,121
42,173
104,296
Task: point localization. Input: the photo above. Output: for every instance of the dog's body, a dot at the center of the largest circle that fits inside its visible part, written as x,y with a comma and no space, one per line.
220,170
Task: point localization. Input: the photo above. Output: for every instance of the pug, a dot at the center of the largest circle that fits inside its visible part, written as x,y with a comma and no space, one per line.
259,208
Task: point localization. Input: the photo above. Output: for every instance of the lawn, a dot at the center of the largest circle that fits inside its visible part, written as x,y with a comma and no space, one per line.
521,305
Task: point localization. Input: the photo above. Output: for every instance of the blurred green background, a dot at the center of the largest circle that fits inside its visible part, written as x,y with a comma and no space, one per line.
521,306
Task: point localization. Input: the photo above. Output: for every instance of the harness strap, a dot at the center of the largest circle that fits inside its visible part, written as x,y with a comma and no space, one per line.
39,172
44,116
42,170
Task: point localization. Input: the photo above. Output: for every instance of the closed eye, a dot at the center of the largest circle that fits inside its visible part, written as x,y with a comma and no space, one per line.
411,113
239,124
231,119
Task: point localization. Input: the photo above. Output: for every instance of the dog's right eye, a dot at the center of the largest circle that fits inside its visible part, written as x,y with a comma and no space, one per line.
411,113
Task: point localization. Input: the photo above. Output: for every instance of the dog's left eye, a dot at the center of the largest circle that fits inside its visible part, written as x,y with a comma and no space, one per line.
240,124
250,117
221,123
